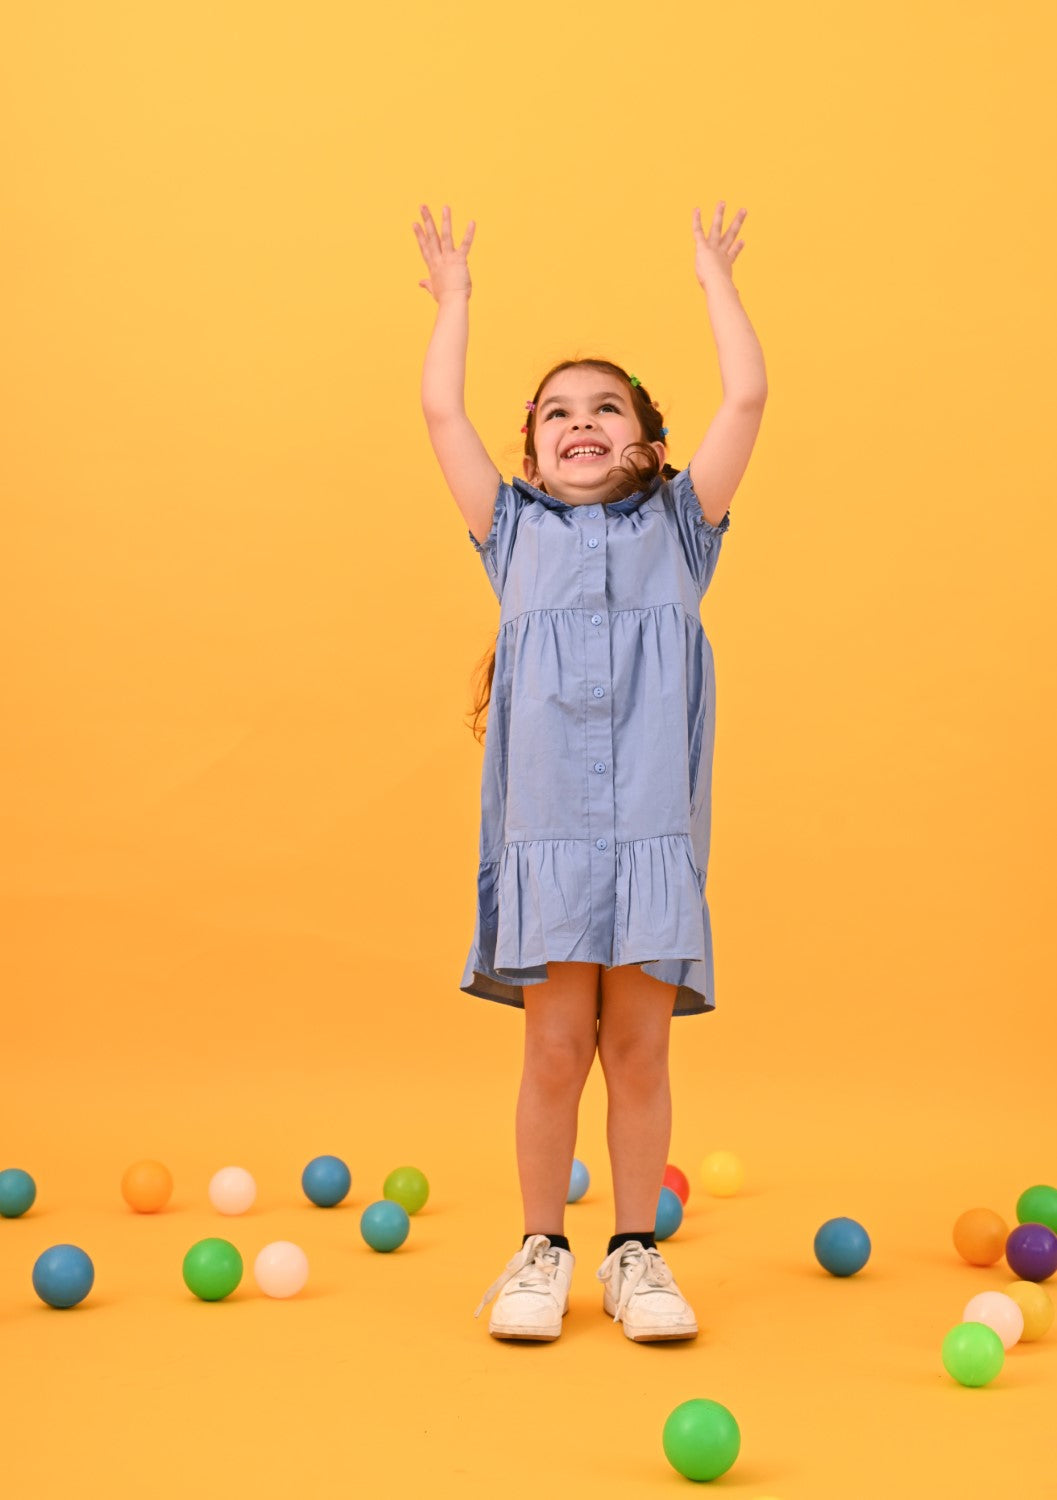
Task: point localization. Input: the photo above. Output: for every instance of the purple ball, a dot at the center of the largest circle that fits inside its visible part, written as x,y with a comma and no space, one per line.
1031,1252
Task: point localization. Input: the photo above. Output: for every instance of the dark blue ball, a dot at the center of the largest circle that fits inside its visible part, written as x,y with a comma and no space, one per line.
842,1247
63,1276
326,1180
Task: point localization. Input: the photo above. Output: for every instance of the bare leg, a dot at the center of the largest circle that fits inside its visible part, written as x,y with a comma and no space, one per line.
633,1050
561,1028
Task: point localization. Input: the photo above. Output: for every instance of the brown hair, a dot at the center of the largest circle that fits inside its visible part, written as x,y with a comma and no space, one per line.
639,469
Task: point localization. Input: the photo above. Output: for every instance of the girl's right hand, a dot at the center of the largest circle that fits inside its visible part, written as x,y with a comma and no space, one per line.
448,271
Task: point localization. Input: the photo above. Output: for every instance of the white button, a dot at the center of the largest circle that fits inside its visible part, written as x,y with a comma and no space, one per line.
593,542
599,692
600,843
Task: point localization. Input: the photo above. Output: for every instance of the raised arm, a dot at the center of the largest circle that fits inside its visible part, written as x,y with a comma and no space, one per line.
721,460
468,470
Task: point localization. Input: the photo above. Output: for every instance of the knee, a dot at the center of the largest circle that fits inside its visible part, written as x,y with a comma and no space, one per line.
559,1063
633,1064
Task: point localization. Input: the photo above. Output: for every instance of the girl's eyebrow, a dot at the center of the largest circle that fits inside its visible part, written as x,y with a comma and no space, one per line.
600,396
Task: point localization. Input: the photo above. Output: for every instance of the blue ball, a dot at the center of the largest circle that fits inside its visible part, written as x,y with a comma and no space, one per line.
326,1180
579,1181
385,1224
669,1214
842,1247
17,1192
63,1276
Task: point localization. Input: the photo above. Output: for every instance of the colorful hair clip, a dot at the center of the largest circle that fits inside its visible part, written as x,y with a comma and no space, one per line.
530,406
634,379
525,428
664,432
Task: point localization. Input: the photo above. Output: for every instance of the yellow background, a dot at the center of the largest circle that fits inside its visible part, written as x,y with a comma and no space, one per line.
240,797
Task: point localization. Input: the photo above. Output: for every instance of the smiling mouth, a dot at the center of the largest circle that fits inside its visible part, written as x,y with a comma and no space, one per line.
583,455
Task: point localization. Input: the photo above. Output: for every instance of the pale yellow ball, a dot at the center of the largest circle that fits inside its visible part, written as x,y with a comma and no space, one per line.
722,1174
1034,1302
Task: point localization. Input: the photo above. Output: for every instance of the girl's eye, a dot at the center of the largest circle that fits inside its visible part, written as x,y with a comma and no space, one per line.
559,411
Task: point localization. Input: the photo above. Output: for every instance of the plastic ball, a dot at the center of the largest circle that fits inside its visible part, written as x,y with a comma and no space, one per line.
1031,1252
701,1439
63,1276
147,1186
212,1269
385,1225
408,1187
579,1181
1038,1205
722,1174
997,1311
669,1214
326,1181
1034,1302
973,1354
842,1247
281,1269
17,1192
232,1190
678,1182
980,1236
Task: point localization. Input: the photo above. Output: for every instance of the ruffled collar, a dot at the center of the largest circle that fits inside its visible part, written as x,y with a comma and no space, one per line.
629,503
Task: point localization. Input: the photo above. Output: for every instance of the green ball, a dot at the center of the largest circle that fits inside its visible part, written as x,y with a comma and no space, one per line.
408,1187
1038,1205
973,1353
212,1269
701,1439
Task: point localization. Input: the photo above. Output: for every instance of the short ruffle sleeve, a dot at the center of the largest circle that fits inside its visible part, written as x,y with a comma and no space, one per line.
700,540
499,543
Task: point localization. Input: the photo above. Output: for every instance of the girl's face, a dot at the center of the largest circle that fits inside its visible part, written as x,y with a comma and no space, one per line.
584,422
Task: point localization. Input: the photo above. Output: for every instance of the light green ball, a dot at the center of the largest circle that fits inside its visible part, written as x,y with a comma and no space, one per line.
973,1353
1038,1205
701,1439
212,1269
408,1187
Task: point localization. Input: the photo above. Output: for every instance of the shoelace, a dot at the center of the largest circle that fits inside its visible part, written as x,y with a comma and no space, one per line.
535,1266
639,1265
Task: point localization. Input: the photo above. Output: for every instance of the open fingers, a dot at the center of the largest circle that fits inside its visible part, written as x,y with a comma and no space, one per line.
716,235
433,244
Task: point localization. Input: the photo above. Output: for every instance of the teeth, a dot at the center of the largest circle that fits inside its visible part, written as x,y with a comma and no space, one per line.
574,451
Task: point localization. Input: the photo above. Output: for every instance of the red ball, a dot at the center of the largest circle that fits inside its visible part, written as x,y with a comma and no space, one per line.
678,1182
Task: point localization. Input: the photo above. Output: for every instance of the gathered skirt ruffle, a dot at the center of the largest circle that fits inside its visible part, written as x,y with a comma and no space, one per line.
534,906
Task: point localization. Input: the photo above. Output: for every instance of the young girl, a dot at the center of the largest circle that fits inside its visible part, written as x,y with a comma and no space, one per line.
596,789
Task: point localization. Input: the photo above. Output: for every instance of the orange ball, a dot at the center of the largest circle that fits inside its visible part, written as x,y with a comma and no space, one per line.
147,1186
980,1236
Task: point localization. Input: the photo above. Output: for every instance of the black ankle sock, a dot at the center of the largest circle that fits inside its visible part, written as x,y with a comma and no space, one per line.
557,1240
647,1241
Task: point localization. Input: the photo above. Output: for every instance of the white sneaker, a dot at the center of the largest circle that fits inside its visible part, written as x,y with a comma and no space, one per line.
640,1292
533,1292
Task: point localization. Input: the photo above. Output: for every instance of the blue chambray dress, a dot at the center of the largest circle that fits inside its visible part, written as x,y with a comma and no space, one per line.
597,777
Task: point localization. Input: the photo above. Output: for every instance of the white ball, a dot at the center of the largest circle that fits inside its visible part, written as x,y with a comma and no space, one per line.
999,1312
232,1190
281,1269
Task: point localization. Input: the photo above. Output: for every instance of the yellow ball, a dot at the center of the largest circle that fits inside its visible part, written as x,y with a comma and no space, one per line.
1034,1302
722,1174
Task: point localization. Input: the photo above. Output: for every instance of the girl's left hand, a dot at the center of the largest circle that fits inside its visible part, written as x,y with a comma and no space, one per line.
716,251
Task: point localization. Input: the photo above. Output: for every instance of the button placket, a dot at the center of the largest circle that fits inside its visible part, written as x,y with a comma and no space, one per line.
599,733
